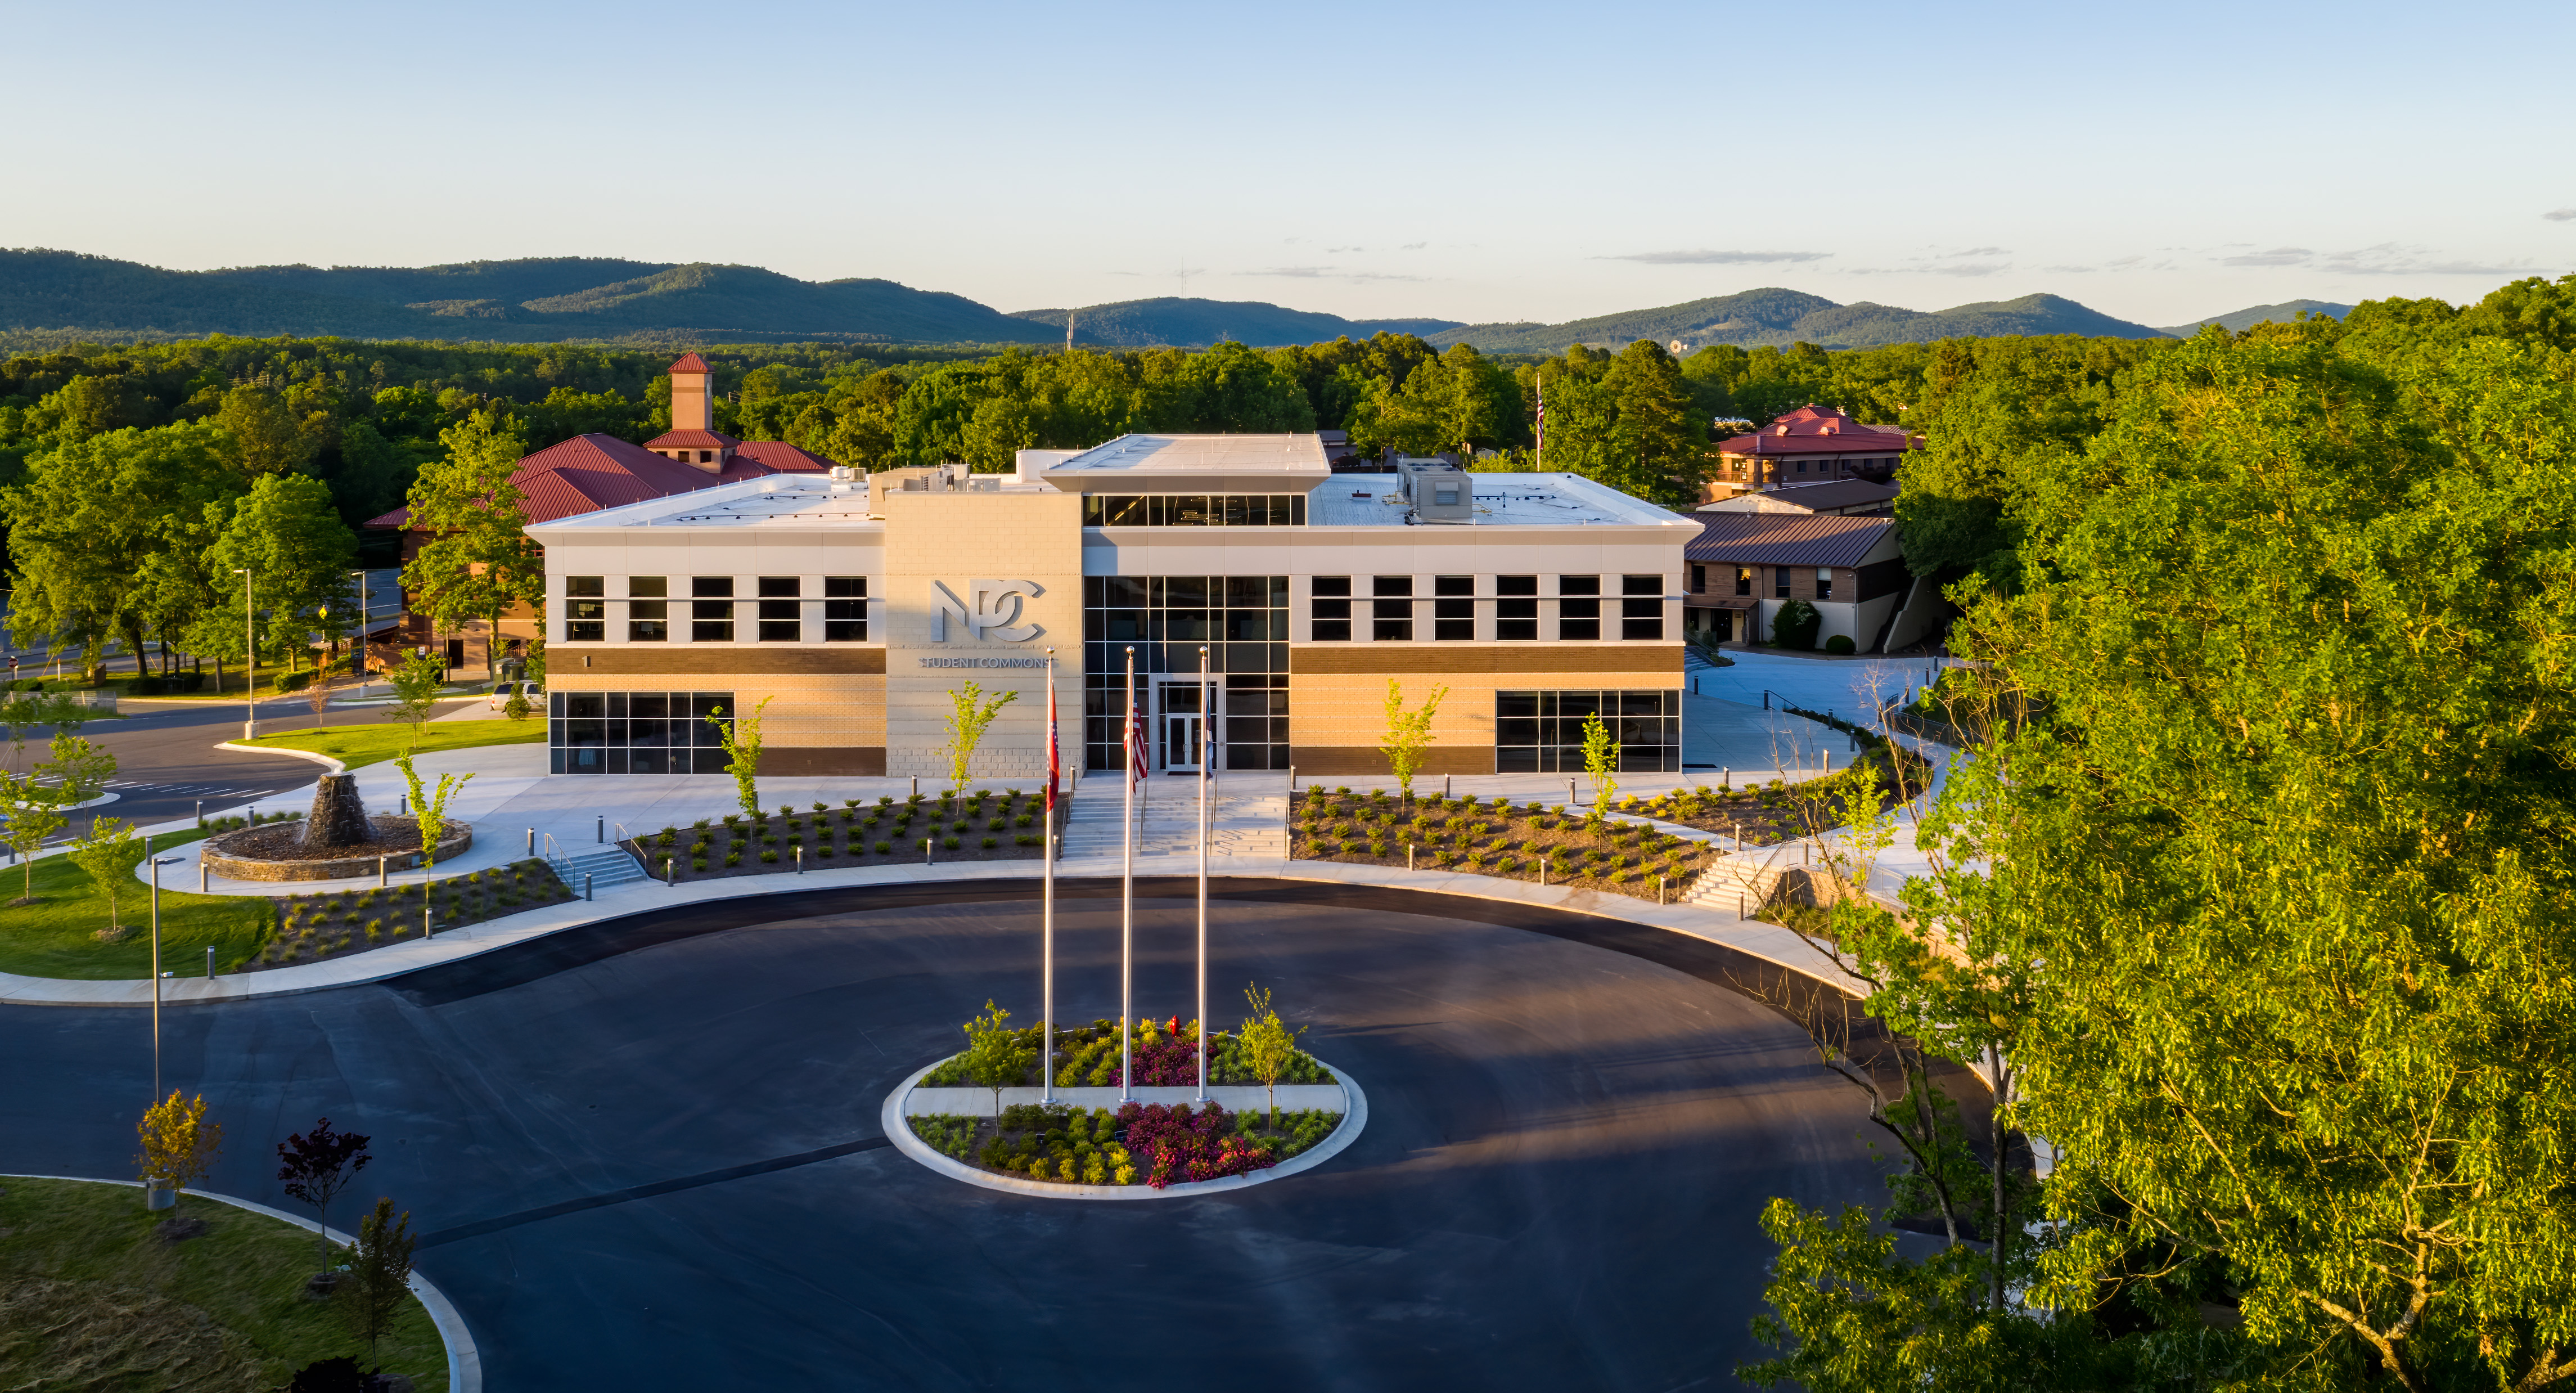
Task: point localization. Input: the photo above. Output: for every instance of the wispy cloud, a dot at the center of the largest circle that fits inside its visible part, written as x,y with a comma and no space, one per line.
2560,215
1977,251
1715,258
1971,268
1413,246
1328,273
1337,251
2383,259
2278,256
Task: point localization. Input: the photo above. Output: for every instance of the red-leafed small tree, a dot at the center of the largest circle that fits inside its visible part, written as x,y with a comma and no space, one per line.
317,1165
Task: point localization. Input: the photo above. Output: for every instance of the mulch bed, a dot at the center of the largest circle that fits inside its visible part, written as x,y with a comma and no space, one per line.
1478,835
338,923
886,833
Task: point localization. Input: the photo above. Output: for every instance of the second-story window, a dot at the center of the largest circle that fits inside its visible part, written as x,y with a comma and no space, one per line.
1699,580
1453,609
711,609
1780,582
845,609
1516,609
1330,609
1641,607
1824,582
1744,580
1578,607
648,611
781,612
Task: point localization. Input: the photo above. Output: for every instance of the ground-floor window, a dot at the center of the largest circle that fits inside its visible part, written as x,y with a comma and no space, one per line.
635,732
1542,732
1243,620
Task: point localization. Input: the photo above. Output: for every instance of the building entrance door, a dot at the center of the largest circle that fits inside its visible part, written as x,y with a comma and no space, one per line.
1184,729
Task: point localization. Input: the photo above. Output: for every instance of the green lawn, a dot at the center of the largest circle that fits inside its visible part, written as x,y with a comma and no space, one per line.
91,1299
57,935
355,746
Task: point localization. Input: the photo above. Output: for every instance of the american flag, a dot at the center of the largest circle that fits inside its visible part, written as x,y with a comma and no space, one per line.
1135,743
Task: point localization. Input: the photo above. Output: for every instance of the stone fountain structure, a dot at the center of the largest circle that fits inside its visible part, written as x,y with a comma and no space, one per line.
337,840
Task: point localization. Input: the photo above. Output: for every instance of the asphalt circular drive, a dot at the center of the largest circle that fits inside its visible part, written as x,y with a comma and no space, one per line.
645,1154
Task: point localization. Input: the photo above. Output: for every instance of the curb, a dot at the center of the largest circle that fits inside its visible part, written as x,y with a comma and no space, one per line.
331,765
464,1360
49,991
898,1131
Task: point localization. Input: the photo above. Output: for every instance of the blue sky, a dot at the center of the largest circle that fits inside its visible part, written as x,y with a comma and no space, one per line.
1496,161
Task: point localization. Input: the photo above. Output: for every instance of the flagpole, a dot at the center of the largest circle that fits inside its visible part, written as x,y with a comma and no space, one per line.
1207,772
1046,857
1127,902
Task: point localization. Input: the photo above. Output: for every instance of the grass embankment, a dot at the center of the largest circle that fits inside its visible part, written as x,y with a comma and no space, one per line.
360,745
92,1298
57,936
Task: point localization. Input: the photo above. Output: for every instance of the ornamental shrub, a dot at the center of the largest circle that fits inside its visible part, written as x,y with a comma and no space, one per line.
733,858
991,842
769,858
948,843
1839,643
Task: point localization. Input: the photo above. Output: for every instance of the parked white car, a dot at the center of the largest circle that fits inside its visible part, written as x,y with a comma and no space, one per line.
535,692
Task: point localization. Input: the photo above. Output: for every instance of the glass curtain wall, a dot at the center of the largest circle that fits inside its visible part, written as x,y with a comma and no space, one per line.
1243,620
1542,732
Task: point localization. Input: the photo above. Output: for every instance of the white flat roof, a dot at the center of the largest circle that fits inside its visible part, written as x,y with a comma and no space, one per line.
1180,463
1501,500
1343,500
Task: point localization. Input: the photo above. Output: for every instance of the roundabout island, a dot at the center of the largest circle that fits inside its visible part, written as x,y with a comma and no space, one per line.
666,1151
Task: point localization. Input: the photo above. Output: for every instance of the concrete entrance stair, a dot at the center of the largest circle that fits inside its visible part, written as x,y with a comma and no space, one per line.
1250,817
605,868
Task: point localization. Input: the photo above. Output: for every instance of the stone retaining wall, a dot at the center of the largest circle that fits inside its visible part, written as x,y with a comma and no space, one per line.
460,837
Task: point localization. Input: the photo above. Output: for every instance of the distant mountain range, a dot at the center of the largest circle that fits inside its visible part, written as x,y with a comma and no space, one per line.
551,299
541,300
1168,320
1783,317
2244,319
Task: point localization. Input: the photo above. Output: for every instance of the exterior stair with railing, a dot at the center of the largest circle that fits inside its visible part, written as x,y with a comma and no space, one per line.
607,868
1739,880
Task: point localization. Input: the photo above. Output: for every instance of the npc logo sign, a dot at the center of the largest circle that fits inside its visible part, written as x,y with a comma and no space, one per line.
994,615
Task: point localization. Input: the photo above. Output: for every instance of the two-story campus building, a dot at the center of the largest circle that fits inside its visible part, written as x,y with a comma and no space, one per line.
854,604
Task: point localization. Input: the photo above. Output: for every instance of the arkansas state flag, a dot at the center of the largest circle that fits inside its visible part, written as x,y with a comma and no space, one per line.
1054,768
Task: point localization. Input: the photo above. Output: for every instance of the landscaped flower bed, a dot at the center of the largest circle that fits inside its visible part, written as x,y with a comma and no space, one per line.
1141,1143
1165,1055
984,826
1494,838
336,923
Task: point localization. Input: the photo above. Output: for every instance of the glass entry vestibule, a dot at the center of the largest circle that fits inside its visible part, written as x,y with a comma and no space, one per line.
1183,726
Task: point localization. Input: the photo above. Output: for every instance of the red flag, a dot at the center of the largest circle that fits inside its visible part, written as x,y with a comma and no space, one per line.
1055,769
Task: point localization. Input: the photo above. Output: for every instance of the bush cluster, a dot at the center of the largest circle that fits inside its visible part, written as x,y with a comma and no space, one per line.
854,830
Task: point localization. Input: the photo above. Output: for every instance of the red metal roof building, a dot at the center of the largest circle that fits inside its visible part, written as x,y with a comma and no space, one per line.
1809,445
591,472
1745,566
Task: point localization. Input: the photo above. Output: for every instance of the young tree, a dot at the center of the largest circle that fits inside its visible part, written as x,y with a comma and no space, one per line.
32,817
79,770
741,740
22,712
315,1166
1408,733
429,810
318,697
971,715
1269,1045
416,683
379,1274
1601,766
179,1144
995,1057
480,562
108,856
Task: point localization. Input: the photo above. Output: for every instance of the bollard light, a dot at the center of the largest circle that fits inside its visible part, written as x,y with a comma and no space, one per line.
586,885
603,827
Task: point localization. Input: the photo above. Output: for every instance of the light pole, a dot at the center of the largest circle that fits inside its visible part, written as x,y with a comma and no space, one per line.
364,615
250,663
157,863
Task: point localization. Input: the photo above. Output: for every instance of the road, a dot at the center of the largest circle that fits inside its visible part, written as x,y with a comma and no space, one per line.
645,1154
166,760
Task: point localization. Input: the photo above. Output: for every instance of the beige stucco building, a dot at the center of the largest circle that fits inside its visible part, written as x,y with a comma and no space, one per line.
854,605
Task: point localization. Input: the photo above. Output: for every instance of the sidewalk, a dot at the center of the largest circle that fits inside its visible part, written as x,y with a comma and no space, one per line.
500,804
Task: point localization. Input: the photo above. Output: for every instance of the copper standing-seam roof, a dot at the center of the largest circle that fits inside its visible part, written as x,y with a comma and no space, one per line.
591,472
1786,539
691,440
690,362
